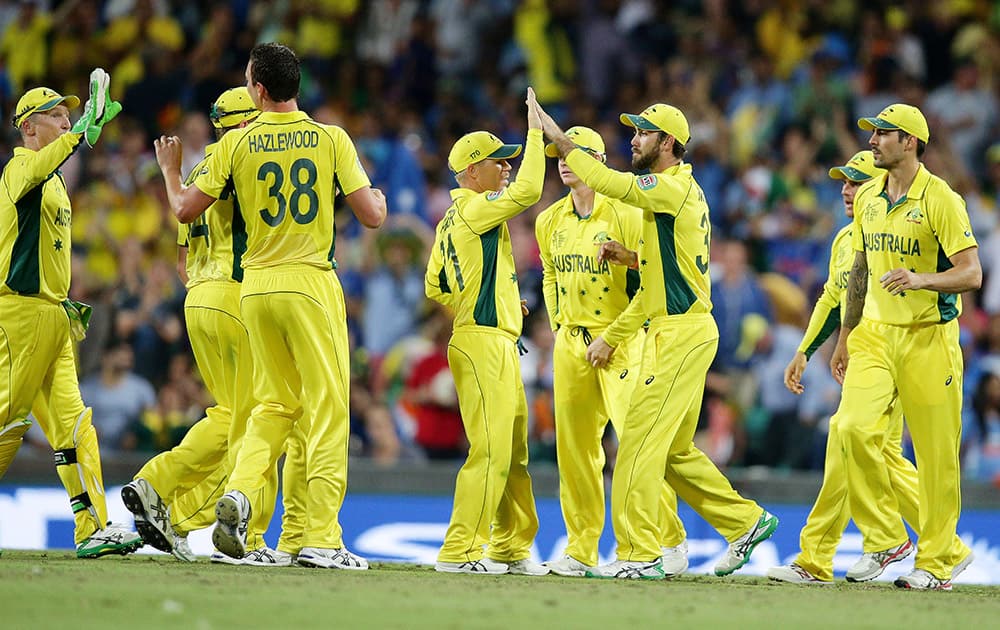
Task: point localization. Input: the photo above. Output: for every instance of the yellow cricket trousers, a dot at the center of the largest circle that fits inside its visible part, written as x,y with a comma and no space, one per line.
657,441
493,499
38,374
830,513
187,476
924,365
585,399
297,323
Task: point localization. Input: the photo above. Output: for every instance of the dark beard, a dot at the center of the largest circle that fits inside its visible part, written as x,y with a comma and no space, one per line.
643,162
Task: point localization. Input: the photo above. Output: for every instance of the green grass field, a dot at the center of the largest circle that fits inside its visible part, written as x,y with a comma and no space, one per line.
55,590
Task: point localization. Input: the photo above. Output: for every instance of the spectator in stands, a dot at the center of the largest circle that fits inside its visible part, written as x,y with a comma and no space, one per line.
119,397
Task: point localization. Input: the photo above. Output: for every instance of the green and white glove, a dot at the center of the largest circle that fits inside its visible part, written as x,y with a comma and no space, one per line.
99,109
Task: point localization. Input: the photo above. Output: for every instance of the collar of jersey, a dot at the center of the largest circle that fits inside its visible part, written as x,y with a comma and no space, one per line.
916,190
599,201
282,117
676,169
462,193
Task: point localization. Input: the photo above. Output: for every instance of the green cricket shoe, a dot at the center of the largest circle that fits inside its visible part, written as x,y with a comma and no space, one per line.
112,539
740,549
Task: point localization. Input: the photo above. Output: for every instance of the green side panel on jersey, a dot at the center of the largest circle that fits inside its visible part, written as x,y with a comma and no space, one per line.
830,325
239,228
947,303
24,276
680,297
486,304
632,283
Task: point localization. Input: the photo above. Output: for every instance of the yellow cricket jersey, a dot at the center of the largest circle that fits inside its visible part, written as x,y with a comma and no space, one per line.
286,169
35,222
217,239
673,251
919,232
471,267
578,290
828,312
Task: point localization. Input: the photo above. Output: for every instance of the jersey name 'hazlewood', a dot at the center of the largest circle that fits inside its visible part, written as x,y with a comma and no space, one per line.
282,141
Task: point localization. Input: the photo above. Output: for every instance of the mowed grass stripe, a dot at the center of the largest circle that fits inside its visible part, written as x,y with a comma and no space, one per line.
54,589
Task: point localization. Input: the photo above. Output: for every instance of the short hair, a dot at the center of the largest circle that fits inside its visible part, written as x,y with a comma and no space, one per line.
276,67
921,145
678,149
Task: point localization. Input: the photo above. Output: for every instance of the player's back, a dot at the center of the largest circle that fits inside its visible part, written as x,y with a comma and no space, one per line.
286,169
217,239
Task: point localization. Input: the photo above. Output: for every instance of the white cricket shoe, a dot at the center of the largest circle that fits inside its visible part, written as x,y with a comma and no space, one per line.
218,557
152,516
182,550
568,566
963,565
267,557
331,559
921,580
232,514
871,565
115,538
527,567
675,559
477,567
629,570
740,549
796,575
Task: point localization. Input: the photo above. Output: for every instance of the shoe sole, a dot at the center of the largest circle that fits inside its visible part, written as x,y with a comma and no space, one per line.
896,558
901,583
775,578
225,535
316,562
107,550
455,570
768,532
152,534
568,573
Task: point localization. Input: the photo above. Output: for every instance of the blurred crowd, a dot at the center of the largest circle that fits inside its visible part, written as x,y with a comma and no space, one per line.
772,89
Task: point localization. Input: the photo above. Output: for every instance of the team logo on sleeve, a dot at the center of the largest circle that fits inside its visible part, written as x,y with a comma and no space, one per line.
646,182
915,216
493,196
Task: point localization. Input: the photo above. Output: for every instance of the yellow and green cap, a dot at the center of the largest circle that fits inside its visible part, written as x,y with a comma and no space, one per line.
584,138
478,146
660,117
232,108
993,154
859,168
40,99
899,116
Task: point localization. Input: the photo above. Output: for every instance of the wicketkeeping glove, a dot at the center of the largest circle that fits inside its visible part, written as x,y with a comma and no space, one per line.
99,109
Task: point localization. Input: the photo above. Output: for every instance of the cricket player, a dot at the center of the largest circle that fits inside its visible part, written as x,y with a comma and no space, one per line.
915,253
830,513
209,256
587,300
657,436
285,169
38,322
471,271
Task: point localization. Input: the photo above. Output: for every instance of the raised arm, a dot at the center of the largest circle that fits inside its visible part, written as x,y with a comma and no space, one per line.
186,202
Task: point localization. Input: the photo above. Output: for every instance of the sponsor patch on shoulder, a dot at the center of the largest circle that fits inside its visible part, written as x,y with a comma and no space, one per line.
493,196
646,182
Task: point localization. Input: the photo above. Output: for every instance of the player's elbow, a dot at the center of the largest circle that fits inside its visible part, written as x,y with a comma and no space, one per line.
184,213
975,279
373,218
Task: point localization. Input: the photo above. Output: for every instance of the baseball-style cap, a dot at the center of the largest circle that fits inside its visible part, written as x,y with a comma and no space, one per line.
899,116
478,146
233,107
660,117
40,99
993,154
859,168
583,137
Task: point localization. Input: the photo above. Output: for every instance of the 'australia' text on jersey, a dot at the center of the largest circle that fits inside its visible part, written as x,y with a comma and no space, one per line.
579,263
893,243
